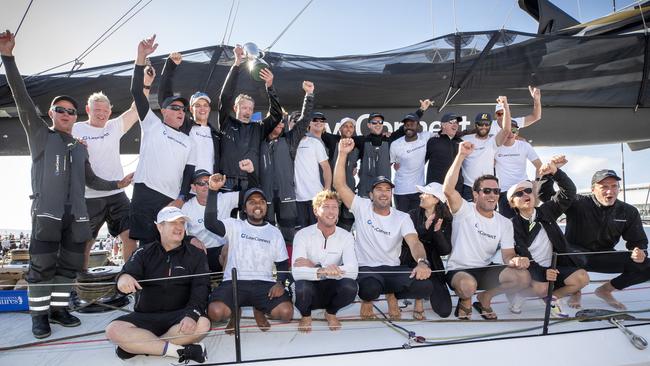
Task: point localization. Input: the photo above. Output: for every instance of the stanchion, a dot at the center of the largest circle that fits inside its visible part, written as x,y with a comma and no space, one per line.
549,297
235,315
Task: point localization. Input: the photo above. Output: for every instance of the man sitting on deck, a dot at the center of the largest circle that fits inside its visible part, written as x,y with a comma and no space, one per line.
378,243
171,308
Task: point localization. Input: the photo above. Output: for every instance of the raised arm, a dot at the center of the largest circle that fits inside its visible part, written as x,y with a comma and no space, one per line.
166,86
35,127
226,99
274,114
145,48
212,223
536,114
302,125
507,121
345,193
454,200
130,116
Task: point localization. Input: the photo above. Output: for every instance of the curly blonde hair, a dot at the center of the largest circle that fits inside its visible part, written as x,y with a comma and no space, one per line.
323,196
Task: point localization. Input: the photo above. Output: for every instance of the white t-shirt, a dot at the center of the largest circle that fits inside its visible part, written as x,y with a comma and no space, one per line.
476,238
103,146
226,202
541,249
164,152
378,239
410,156
481,160
337,249
253,250
202,137
495,128
310,154
510,163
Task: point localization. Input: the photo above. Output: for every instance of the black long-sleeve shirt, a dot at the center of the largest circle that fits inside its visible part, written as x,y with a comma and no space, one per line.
189,293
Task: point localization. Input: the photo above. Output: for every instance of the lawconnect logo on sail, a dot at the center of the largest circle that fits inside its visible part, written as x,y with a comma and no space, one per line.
377,229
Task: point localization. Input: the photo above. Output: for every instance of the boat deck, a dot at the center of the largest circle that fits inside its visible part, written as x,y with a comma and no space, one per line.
284,341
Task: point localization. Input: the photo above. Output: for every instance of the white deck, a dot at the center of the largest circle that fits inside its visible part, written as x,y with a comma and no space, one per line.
598,347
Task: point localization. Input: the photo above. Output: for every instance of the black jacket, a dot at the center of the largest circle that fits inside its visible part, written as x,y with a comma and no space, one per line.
189,293
441,152
436,243
546,216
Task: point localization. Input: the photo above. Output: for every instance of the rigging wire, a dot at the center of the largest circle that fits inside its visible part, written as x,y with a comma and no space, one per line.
21,21
234,18
645,26
225,32
288,25
508,15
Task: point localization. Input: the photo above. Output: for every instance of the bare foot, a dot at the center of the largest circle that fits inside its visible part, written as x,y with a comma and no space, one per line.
304,325
261,321
575,300
332,321
418,310
367,312
393,307
605,293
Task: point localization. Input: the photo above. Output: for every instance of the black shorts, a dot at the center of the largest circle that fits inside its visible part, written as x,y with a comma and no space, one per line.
156,323
113,209
251,293
213,259
145,205
538,273
390,282
486,277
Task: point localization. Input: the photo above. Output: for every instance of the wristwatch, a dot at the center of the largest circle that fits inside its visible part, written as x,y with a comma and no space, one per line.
425,261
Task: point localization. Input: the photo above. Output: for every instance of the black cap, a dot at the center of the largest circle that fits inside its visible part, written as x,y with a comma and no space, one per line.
447,117
514,123
373,115
169,100
200,173
602,174
65,97
252,191
483,117
411,117
381,179
318,115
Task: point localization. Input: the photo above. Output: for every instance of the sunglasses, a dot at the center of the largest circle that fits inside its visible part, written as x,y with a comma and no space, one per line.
521,193
499,113
490,190
69,111
376,122
482,124
201,184
514,129
177,108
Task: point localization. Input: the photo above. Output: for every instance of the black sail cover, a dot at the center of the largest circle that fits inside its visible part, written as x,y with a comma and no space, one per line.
594,89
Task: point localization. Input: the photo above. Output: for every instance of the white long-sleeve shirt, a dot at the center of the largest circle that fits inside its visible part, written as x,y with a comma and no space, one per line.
337,249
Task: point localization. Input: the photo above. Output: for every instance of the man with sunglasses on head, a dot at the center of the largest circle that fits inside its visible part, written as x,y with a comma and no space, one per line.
522,122
60,225
197,124
477,233
481,160
510,165
167,155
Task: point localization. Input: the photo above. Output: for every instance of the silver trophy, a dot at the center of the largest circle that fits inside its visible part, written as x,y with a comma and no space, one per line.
254,61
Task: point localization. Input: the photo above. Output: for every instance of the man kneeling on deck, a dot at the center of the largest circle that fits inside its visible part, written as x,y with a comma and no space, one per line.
169,314
254,246
324,265
378,243
477,231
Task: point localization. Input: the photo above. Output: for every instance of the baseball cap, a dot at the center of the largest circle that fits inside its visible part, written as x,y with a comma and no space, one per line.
411,117
172,99
66,98
200,173
433,188
170,213
518,186
318,115
602,174
381,179
373,115
199,95
252,191
483,117
345,120
447,117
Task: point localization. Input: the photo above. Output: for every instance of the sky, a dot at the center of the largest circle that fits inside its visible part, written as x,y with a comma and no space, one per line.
55,32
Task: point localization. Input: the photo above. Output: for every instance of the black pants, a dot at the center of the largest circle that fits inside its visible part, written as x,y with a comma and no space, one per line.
371,285
504,206
631,273
346,218
331,295
306,215
283,215
213,259
56,263
467,193
407,202
440,298
145,205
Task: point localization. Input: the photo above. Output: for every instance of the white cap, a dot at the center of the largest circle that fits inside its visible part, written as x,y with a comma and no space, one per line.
498,107
345,120
170,213
518,186
433,188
